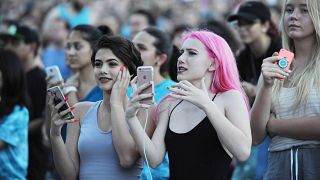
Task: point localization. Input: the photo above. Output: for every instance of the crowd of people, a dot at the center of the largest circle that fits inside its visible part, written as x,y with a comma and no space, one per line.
224,107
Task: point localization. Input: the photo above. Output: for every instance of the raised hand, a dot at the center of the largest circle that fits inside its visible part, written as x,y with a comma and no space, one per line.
186,91
56,121
120,86
135,102
50,84
270,70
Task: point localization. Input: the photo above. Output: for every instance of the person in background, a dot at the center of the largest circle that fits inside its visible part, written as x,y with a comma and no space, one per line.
140,19
99,144
222,29
204,122
25,42
14,117
261,40
288,110
80,44
56,36
156,50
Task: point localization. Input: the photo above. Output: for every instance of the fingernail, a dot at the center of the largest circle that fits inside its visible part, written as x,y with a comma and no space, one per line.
72,108
124,66
121,69
75,120
66,99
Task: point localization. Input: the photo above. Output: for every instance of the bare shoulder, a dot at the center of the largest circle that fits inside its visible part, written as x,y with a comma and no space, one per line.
81,108
231,95
165,106
230,98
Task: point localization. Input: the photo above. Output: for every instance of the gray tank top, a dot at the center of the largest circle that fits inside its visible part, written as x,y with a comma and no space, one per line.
283,110
98,158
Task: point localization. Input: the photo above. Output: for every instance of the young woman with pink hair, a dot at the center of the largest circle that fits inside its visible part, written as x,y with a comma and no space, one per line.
204,122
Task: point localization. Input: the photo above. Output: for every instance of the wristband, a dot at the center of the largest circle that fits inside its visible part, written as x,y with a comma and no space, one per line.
68,89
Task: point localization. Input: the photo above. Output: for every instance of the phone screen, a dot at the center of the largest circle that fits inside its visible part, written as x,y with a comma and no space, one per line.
145,75
58,97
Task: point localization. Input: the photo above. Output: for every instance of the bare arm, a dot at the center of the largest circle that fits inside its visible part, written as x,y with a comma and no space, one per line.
155,149
306,128
233,127
260,113
122,139
66,157
261,108
124,144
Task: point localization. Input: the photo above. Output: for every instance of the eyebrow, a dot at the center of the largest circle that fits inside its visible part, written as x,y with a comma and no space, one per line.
190,49
107,60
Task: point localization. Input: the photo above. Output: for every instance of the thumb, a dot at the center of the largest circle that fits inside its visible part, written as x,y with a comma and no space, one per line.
275,54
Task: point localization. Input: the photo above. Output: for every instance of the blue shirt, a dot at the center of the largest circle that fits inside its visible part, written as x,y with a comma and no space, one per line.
14,133
96,94
54,56
81,17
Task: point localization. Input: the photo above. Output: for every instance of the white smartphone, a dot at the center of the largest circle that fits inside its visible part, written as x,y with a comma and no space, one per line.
58,96
54,73
145,75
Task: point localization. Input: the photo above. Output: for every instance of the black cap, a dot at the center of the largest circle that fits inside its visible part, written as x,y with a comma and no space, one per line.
252,10
20,33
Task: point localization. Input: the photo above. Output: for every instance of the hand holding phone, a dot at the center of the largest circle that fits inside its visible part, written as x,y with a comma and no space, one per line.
57,95
285,61
145,75
54,73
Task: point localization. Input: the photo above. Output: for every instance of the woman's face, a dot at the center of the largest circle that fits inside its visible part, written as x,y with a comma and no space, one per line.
144,43
78,51
193,62
106,68
250,31
297,21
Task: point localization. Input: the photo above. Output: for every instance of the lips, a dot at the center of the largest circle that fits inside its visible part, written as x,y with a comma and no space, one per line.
294,26
104,79
181,69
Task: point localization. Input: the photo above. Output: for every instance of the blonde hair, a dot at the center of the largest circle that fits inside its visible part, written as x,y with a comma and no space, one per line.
309,77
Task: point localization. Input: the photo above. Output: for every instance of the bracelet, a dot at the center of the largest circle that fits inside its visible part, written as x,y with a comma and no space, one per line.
68,89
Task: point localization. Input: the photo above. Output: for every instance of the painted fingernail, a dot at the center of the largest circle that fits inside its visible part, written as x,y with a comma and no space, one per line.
121,69
125,66
66,99
72,108
75,120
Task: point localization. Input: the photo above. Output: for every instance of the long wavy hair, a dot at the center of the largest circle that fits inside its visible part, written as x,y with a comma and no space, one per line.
309,77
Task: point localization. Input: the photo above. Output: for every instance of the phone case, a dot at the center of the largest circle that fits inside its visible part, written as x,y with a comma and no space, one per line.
58,97
54,72
145,75
285,61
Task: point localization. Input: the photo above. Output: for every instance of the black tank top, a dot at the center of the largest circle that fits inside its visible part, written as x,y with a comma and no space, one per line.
197,154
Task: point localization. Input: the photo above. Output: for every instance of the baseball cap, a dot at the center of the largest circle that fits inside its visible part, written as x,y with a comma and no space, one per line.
19,33
250,11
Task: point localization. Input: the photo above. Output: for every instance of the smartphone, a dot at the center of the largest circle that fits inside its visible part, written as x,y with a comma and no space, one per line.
58,96
54,73
285,61
145,75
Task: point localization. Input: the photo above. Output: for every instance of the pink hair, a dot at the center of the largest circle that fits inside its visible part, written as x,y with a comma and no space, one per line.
226,75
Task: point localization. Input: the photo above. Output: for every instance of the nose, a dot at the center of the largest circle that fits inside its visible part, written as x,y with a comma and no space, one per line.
294,15
181,59
71,51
